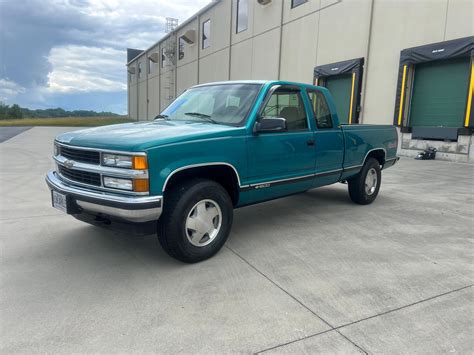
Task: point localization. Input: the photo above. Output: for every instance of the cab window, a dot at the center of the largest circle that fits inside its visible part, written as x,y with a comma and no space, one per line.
321,112
288,104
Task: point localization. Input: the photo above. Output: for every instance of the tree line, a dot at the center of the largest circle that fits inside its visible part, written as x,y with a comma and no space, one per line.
15,111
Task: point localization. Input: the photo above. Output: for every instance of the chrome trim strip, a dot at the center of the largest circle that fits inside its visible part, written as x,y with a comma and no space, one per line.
281,180
102,170
200,165
328,172
61,186
352,167
99,150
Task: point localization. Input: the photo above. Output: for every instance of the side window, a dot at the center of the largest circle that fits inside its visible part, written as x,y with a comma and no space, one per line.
287,103
321,111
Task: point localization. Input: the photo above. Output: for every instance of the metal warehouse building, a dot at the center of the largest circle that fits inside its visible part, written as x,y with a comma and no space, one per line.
408,63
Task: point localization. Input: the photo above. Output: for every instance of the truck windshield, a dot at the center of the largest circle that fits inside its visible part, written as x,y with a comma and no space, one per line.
219,104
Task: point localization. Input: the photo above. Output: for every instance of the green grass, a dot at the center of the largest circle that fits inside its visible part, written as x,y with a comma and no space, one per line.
66,121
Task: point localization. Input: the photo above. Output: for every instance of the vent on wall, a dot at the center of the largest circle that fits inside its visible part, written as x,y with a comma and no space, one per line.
154,57
131,70
264,2
189,36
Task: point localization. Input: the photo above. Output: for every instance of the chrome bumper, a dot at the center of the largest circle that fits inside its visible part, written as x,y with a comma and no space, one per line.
129,208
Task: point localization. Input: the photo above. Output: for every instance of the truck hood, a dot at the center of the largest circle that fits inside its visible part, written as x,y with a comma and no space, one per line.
143,135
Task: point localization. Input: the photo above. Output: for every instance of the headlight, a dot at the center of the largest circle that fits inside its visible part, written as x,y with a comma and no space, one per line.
117,183
124,161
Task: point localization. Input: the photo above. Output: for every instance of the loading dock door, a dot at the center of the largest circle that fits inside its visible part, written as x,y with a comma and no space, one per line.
439,93
340,87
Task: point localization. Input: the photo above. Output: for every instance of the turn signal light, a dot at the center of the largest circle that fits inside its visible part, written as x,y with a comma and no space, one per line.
140,162
141,185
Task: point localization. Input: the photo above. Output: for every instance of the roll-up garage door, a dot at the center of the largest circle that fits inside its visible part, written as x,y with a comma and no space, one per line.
340,87
439,93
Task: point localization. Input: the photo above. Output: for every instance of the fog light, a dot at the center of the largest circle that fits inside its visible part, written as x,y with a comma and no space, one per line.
117,183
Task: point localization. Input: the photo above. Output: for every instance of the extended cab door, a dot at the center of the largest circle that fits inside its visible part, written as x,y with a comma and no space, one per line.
328,138
282,163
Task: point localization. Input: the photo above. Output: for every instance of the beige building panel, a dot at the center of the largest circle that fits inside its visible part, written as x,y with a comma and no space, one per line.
241,60
187,77
267,17
305,9
142,100
460,19
395,28
214,67
299,42
265,55
343,31
220,31
191,51
153,97
132,101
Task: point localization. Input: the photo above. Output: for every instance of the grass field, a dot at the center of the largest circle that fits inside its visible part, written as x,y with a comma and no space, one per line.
66,121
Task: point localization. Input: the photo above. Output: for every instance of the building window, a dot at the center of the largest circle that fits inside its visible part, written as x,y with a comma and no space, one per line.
295,3
206,34
242,15
181,48
139,70
151,66
163,58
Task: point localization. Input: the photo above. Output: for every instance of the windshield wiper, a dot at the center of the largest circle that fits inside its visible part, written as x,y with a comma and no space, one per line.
200,115
161,116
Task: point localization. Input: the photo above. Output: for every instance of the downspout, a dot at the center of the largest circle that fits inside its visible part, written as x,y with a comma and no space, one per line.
230,37
281,38
366,71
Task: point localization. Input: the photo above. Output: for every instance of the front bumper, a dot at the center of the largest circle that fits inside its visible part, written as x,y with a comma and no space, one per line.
134,209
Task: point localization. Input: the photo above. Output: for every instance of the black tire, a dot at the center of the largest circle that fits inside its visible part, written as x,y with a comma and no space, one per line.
357,188
178,203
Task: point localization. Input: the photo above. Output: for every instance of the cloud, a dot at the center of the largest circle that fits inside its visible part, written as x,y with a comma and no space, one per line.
9,89
64,46
86,69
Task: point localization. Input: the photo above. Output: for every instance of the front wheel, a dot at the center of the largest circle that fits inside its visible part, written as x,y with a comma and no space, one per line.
196,220
364,188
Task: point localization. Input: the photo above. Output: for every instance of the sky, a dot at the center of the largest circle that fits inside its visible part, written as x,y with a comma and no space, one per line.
72,53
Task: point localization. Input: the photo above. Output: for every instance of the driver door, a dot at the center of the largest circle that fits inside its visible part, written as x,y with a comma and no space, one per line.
282,163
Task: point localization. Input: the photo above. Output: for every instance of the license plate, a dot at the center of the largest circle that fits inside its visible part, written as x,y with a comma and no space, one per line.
60,201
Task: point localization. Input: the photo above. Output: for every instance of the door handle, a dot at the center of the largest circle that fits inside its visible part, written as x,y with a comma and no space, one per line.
310,142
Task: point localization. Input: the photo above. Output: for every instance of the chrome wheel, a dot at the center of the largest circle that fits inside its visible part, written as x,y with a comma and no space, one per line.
203,223
371,181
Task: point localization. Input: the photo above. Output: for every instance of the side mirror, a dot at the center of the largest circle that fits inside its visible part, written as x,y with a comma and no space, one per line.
271,125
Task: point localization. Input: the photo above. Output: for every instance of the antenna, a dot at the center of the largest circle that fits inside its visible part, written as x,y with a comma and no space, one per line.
171,24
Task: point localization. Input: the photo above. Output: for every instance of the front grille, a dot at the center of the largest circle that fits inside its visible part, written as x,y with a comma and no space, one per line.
79,155
84,177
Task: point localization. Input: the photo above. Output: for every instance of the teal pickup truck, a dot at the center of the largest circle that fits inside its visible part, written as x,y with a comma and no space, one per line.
217,147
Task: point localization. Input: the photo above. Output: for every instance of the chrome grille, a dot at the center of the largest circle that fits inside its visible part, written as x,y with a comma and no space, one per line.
83,177
80,155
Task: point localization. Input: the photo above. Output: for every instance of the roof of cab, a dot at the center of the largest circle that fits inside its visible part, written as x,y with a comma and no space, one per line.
259,82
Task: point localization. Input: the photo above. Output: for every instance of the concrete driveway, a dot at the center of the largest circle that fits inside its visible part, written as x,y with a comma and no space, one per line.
308,273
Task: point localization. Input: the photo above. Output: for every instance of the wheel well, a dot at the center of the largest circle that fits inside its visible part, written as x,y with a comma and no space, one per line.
222,174
378,154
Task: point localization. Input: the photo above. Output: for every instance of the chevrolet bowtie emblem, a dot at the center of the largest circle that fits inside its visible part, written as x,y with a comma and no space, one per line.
69,163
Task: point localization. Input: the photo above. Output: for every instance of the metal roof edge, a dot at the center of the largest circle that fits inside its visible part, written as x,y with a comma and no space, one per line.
187,21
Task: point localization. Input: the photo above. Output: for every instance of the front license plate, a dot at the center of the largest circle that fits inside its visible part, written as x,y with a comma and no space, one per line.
60,201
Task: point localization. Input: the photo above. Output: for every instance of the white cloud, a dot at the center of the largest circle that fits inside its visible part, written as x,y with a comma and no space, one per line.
9,90
86,69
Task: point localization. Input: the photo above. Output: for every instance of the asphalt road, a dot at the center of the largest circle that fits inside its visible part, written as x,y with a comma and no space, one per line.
308,273
10,132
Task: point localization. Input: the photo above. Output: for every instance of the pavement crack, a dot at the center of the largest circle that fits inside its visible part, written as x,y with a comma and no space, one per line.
299,302
336,329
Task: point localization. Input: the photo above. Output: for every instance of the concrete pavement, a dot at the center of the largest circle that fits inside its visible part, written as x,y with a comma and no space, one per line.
308,273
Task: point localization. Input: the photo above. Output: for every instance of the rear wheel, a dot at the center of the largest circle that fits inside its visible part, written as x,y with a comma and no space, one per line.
364,188
196,220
